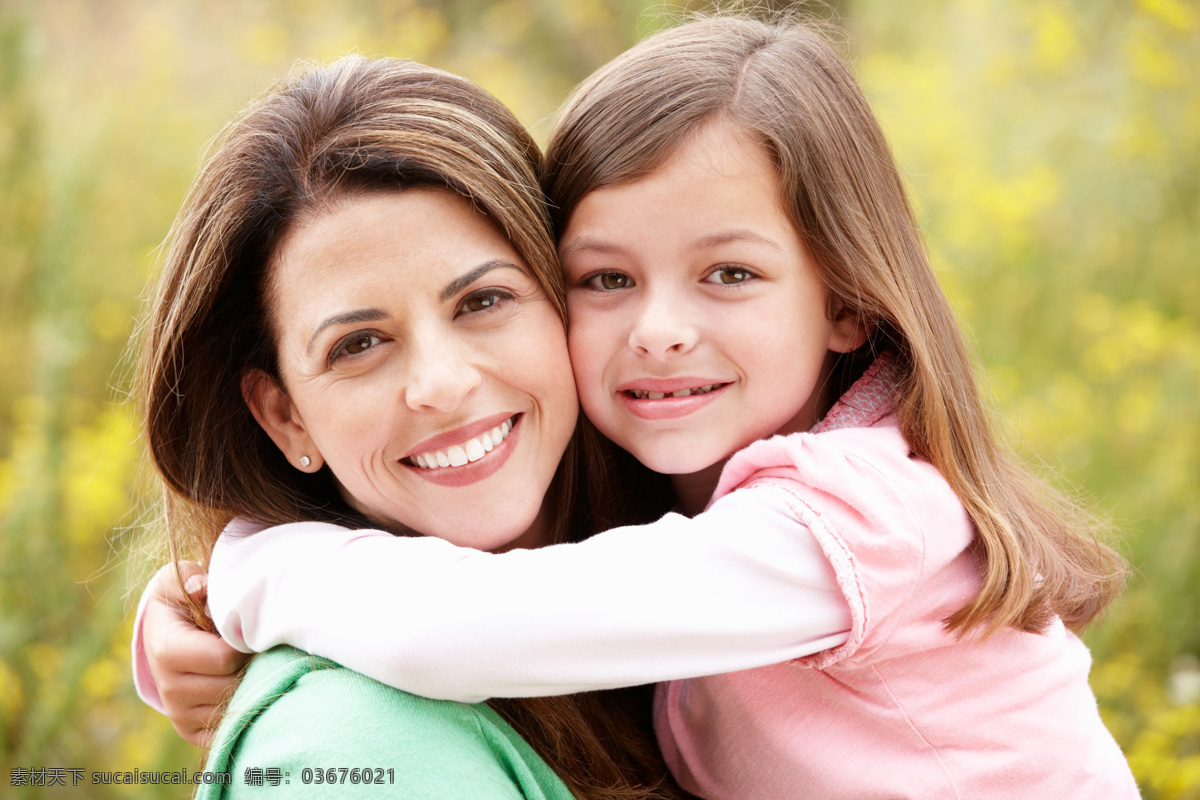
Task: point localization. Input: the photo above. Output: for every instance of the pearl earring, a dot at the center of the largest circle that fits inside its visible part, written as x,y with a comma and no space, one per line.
305,461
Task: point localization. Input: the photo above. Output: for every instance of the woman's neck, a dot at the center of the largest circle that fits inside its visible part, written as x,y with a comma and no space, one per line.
537,535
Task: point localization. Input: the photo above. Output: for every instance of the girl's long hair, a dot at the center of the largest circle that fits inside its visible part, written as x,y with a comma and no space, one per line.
355,125
782,84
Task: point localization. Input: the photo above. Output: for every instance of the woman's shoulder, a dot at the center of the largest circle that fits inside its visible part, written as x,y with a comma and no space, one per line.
313,727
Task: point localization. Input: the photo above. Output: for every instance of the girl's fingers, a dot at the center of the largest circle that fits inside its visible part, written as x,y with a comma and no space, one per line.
188,692
185,649
198,725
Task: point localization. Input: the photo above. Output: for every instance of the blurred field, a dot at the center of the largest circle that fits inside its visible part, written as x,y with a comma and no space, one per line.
1053,147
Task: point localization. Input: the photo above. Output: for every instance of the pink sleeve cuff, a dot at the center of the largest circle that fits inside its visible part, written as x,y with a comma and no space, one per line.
143,681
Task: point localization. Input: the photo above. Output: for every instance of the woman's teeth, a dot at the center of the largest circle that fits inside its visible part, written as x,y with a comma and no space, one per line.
639,394
468,451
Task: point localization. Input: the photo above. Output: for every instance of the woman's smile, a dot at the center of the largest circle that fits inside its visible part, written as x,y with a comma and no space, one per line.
422,362
453,450
471,460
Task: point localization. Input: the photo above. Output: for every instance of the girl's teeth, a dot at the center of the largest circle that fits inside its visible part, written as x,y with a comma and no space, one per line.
459,454
641,394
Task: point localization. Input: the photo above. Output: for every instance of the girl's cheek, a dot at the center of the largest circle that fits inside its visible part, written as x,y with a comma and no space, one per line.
588,358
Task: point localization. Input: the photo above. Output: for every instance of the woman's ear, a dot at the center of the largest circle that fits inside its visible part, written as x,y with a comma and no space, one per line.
277,415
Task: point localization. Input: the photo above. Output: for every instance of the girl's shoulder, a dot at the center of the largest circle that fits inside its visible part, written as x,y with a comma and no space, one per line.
894,532
857,451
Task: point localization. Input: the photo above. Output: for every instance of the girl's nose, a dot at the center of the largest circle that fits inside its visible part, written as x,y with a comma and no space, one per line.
441,374
664,327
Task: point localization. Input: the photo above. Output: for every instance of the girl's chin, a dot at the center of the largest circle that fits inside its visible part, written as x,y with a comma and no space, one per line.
675,464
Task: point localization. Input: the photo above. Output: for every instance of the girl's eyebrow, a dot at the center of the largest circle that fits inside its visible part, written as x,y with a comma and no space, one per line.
593,245
585,243
467,278
360,315
736,235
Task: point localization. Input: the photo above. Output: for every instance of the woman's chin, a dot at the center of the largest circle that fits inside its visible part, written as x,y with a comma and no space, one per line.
492,540
494,533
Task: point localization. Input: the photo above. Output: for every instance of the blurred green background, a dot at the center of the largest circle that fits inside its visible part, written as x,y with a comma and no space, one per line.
1052,146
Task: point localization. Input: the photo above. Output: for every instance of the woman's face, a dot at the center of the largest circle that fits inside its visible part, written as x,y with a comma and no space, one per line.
422,362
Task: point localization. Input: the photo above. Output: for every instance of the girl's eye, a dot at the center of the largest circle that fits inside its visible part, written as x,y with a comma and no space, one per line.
608,281
484,300
729,275
353,345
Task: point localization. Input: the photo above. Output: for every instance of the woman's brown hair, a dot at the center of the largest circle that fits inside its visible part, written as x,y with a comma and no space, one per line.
355,125
781,84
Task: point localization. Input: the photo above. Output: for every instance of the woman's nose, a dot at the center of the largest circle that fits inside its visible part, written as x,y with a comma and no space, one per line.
441,374
665,326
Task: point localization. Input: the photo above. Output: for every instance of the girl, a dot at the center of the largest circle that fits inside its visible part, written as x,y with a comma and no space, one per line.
898,595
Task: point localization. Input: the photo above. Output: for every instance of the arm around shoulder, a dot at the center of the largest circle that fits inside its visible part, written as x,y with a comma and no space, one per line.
739,586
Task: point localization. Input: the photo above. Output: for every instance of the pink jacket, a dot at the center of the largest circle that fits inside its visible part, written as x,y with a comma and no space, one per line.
902,709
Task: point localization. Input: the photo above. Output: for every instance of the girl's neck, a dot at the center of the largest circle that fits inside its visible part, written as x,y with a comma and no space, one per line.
696,489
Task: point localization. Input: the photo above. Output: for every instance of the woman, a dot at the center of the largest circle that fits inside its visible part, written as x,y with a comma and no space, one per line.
362,276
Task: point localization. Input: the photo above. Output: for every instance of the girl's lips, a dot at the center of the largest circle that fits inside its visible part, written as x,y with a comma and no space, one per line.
657,394
472,471
667,386
667,402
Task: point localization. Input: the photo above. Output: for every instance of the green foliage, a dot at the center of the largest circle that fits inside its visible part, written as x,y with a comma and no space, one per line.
1053,148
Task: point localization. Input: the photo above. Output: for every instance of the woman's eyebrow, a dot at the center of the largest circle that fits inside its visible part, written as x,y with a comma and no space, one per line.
360,315
467,278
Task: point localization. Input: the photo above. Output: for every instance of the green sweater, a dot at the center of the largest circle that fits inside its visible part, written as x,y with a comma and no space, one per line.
297,720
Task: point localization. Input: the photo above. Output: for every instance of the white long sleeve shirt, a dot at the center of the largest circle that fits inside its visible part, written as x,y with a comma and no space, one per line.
739,586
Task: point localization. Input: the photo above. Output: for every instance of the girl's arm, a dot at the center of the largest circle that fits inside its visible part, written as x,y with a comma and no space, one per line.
179,669
739,586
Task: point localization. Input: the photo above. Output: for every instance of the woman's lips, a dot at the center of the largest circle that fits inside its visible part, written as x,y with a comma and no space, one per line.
459,458
473,449
459,435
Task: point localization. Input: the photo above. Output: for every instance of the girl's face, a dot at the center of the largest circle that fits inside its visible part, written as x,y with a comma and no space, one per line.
421,360
699,322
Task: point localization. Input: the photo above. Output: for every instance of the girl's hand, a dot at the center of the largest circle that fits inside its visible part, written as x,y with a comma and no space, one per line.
195,670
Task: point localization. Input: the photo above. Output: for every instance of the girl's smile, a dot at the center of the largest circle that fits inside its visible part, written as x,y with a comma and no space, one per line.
699,321
667,399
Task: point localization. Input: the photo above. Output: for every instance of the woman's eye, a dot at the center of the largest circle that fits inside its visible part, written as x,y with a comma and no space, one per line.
729,275
354,345
609,281
483,301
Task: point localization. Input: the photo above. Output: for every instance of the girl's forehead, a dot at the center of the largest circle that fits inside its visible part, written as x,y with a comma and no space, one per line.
716,170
